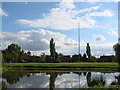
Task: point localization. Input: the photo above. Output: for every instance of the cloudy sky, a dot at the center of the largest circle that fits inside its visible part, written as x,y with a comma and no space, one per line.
32,24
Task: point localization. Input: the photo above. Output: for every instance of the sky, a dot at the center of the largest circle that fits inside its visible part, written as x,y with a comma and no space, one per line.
31,25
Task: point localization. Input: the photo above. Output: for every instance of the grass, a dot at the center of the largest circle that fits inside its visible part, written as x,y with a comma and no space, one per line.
100,65
104,67
113,87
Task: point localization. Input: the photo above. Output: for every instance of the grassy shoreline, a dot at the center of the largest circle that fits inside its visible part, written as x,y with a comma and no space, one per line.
83,66
99,65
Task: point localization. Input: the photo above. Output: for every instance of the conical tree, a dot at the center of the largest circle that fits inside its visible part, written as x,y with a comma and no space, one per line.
88,50
52,48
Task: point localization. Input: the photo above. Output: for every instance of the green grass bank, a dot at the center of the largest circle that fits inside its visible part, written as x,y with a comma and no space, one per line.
52,65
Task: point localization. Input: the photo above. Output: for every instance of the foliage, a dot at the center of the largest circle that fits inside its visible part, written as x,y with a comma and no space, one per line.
53,53
29,53
57,60
43,56
84,58
12,53
92,58
13,47
52,48
116,48
88,50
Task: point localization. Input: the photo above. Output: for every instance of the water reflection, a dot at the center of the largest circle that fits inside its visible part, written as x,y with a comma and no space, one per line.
24,79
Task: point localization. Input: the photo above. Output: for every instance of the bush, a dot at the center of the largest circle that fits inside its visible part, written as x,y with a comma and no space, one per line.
92,59
57,60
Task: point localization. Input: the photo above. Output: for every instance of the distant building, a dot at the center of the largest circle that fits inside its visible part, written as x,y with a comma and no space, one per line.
30,58
106,58
66,58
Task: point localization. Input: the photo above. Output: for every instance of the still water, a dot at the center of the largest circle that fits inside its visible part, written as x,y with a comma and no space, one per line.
25,79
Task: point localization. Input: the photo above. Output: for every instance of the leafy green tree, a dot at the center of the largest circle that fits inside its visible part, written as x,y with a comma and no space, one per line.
13,47
88,50
56,55
52,48
13,53
92,58
84,58
60,55
29,53
80,58
43,56
116,48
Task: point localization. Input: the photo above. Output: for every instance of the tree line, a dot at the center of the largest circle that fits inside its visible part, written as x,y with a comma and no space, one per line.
14,54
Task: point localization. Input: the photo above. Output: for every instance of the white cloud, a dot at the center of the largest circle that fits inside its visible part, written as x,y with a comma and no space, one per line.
3,13
113,32
66,4
102,49
65,17
106,13
98,37
89,9
37,41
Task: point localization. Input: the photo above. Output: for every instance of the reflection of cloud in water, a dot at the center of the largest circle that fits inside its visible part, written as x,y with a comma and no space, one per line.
69,81
66,80
34,81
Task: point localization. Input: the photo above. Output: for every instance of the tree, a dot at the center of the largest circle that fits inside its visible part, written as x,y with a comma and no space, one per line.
29,53
88,50
43,56
13,47
116,48
52,48
60,55
13,53
92,58
84,58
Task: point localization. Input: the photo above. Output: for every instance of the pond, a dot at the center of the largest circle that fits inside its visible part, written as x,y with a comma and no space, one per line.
40,79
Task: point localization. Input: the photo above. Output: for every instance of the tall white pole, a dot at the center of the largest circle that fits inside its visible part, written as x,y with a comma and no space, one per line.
79,40
79,48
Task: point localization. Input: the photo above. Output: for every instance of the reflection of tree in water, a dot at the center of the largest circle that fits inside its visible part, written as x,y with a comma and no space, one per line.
4,86
13,77
95,81
116,81
84,73
53,76
88,78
